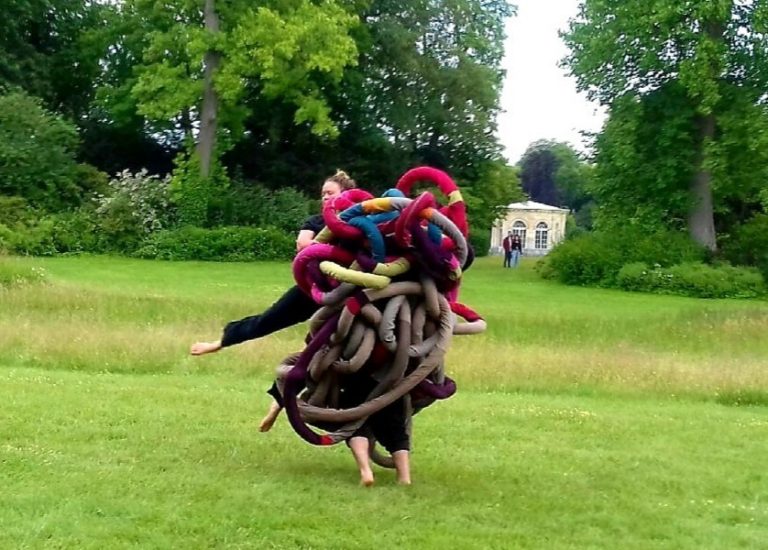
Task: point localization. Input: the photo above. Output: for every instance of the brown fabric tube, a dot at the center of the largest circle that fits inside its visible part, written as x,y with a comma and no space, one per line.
387,324
358,360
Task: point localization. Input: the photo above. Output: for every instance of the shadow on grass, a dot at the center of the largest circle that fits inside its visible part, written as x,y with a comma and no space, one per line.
743,398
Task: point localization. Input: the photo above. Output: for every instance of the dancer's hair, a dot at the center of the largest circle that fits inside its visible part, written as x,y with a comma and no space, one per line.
343,180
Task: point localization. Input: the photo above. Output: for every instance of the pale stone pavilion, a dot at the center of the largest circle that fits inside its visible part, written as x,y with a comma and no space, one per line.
540,227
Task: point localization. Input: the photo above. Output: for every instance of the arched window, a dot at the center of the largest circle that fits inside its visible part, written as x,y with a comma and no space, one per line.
518,228
541,236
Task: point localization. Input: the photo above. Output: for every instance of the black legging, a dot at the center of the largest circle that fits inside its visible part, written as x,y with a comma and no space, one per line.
292,308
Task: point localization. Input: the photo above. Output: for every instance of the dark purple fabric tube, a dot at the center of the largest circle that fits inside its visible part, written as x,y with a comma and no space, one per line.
294,383
438,391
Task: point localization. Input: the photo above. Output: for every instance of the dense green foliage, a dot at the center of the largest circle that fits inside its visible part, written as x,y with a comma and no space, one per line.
140,211
748,244
228,244
662,262
51,49
692,279
37,155
654,140
287,50
685,145
487,199
293,91
596,258
552,173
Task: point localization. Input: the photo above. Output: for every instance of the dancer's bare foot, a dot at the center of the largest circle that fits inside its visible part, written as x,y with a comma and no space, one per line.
359,446
201,348
366,478
269,420
402,466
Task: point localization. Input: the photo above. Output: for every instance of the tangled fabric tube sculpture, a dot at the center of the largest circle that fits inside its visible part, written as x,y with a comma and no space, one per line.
387,273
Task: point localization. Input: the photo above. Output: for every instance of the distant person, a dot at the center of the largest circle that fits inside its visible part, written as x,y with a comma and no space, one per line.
507,245
515,250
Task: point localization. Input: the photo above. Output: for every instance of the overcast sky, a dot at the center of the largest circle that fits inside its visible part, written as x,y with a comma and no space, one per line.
538,99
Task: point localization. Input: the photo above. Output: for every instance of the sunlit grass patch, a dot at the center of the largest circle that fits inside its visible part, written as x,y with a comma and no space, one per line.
119,315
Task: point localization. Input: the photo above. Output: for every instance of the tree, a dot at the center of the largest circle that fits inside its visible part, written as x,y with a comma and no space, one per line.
538,167
37,150
402,104
488,198
424,90
192,71
622,52
552,172
288,49
429,76
48,50
645,161
210,108
307,87
573,179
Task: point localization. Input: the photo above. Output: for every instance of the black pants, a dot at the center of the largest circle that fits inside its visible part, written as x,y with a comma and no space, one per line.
388,425
292,308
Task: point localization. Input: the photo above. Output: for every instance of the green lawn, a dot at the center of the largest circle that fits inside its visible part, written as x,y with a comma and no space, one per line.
584,418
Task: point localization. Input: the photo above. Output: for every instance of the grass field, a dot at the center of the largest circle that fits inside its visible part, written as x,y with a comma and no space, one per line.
584,418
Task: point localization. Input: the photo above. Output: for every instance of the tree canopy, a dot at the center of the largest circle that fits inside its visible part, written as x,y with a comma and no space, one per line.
677,76
239,99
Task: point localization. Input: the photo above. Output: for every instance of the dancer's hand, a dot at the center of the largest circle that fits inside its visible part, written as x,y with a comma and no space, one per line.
201,348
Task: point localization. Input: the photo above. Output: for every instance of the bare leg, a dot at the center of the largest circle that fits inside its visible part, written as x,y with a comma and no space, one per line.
402,466
268,421
359,447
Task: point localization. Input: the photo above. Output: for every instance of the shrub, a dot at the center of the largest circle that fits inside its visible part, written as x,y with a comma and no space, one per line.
16,210
37,154
65,232
480,241
6,237
251,204
198,198
693,279
638,277
591,259
149,198
230,244
749,244
76,231
138,204
290,209
29,240
595,259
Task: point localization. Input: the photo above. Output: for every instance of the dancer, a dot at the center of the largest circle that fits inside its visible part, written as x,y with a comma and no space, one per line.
293,307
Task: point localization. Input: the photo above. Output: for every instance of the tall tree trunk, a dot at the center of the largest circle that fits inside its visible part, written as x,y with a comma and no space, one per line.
701,220
186,126
209,114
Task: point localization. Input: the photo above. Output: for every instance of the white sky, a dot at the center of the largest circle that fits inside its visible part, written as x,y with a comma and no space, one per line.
538,100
